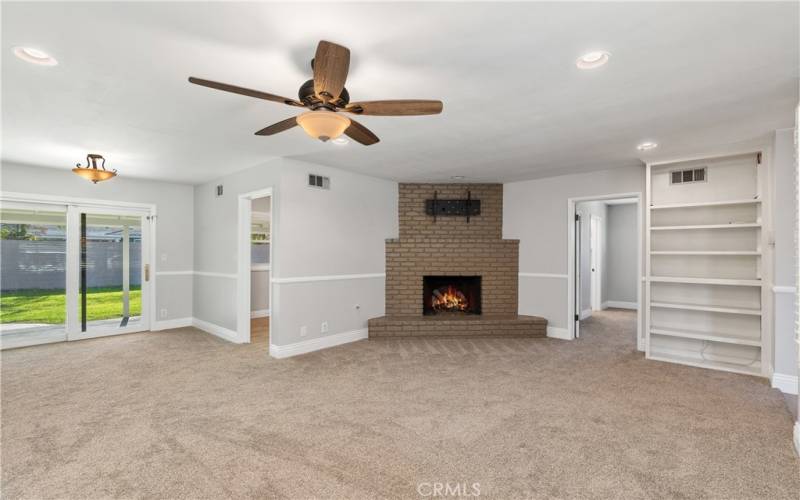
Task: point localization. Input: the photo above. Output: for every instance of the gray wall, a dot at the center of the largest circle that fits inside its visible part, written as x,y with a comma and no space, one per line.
316,233
621,248
535,212
786,258
174,234
259,290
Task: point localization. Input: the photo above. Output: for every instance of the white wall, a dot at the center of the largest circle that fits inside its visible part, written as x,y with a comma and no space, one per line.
174,235
785,261
621,248
535,212
317,234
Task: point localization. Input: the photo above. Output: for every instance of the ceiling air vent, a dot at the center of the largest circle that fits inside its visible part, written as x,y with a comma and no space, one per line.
688,175
319,181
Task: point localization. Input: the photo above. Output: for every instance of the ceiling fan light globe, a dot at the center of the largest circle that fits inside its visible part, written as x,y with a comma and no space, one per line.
323,125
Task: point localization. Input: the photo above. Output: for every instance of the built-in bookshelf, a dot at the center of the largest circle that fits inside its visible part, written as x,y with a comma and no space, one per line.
705,238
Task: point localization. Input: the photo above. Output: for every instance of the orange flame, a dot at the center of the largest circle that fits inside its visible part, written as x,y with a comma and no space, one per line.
448,299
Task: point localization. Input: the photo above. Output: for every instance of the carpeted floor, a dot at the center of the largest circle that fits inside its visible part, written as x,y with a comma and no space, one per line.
182,414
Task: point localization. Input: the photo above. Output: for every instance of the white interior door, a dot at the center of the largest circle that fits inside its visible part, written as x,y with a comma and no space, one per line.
596,261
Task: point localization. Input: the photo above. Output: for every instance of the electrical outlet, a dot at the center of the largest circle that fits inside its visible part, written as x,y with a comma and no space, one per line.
163,257
323,328
303,331
163,313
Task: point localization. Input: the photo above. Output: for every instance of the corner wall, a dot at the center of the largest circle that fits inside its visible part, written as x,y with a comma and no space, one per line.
327,255
535,212
174,259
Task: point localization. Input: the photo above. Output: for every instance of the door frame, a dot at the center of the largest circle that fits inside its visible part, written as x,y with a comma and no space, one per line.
571,273
245,218
148,210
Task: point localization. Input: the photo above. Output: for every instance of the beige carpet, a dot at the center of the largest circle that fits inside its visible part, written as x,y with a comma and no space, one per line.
181,414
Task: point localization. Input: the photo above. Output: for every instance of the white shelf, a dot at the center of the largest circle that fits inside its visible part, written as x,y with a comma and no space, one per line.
705,281
716,309
755,369
706,252
705,204
706,226
689,334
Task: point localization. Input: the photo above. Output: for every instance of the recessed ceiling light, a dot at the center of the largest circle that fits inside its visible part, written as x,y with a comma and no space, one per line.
594,59
340,140
646,146
35,56
457,177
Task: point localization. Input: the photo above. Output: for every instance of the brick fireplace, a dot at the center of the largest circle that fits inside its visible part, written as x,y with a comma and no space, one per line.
450,273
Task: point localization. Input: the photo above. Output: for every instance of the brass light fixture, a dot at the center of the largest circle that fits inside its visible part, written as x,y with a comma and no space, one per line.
91,170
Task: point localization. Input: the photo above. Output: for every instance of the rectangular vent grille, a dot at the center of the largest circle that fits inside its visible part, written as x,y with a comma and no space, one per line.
319,181
688,175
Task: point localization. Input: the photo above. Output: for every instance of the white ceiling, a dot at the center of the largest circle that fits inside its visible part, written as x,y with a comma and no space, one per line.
688,76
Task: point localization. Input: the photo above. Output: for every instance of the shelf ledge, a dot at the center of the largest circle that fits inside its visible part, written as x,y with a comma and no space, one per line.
743,225
666,206
705,281
704,336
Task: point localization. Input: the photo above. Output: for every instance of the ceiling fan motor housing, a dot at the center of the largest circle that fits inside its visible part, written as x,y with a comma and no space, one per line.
308,97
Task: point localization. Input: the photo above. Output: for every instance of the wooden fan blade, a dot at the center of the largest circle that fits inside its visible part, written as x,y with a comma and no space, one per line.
278,127
331,64
400,107
360,133
243,91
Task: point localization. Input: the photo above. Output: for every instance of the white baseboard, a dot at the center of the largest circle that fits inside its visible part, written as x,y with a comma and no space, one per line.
586,313
169,324
618,304
785,383
558,333
260,313
217,330
285,351
797,437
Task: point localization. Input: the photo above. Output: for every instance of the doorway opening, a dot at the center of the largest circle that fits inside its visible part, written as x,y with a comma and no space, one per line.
255,316
260,234
605,269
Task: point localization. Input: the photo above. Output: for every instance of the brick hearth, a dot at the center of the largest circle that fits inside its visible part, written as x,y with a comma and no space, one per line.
451,246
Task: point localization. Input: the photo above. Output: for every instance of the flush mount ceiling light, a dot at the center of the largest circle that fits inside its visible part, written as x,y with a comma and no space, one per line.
593,59
92,172
323,125
35,56
646,146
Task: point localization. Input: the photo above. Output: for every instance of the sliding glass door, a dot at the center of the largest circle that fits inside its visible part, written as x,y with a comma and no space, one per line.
111,273
33,283
72,272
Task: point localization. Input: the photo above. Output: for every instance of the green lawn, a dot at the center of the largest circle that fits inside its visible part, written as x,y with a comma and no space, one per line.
48,306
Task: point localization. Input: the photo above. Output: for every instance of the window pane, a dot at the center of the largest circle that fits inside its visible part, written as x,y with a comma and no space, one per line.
33,276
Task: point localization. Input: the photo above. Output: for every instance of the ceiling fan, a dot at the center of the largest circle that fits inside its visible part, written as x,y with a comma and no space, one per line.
325,97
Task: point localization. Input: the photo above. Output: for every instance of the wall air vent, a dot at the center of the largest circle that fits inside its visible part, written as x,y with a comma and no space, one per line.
688,175
319,181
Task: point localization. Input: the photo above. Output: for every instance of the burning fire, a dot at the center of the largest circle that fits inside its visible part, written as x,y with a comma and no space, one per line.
448,299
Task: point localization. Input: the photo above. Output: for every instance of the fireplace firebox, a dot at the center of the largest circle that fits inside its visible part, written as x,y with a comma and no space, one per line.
451,294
